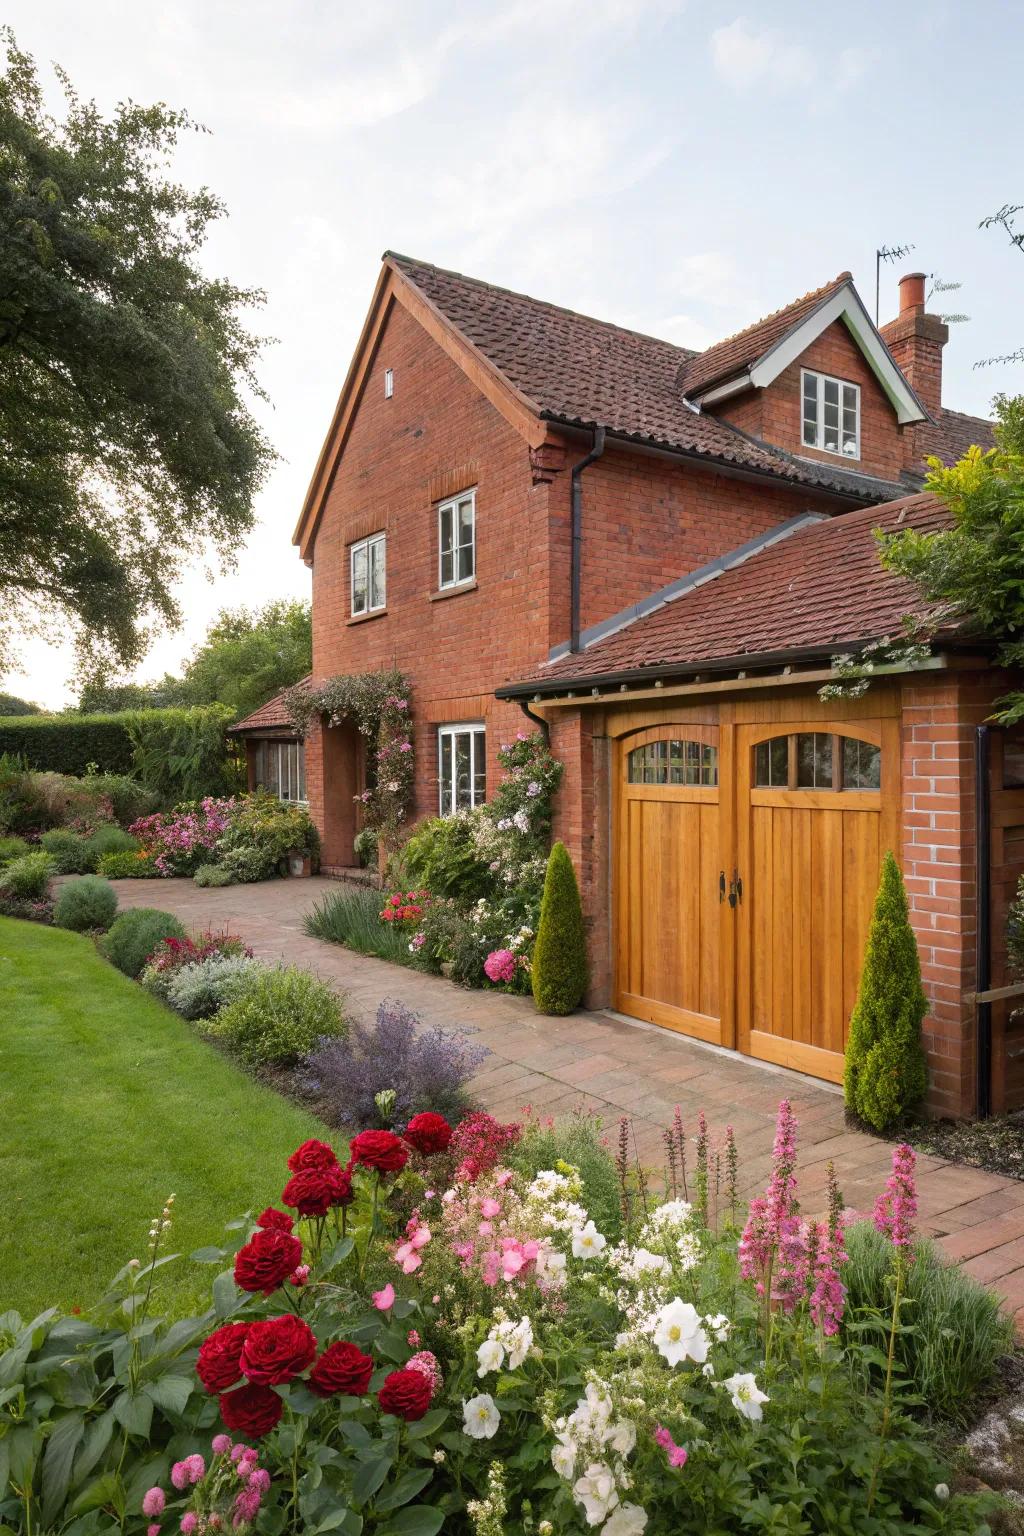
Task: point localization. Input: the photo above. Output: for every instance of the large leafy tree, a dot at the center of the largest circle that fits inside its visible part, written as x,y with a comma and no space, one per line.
126,440
248,656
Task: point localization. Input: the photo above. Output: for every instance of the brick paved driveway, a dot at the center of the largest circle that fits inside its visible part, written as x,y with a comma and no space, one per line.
618,1066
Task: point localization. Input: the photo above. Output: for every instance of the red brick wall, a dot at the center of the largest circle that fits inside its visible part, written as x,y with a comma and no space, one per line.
775,413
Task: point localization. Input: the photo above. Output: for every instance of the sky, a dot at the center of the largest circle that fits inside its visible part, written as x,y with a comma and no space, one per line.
676,167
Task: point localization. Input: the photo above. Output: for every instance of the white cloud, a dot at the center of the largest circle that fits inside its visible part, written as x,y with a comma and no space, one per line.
744,57
687,331
852,65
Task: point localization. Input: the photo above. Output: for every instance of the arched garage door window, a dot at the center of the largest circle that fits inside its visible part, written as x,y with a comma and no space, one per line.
673,762
817,760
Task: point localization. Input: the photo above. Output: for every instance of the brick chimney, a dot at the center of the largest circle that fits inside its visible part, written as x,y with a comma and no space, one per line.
916,340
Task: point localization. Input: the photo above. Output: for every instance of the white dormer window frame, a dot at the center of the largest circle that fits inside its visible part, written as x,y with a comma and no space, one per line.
829,414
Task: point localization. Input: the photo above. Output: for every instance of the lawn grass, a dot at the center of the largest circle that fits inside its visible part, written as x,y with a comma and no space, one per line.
109,1102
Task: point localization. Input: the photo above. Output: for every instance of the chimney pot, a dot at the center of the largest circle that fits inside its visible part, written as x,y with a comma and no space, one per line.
912,292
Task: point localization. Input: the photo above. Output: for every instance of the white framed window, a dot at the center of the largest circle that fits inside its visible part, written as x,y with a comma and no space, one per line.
456,540
831,414
461,767
281,769
389,383
369,586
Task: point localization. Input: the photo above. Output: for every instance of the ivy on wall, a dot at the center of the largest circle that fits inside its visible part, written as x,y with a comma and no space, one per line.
377,703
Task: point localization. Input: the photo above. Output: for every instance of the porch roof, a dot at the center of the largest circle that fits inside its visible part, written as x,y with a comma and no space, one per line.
271,715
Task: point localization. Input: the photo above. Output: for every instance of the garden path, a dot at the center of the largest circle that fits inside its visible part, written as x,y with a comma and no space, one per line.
619,1066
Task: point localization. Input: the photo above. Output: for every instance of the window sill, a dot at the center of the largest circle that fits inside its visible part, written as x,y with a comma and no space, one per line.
364,618
453,591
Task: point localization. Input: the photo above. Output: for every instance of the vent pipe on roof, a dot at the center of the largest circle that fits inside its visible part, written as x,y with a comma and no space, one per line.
576,554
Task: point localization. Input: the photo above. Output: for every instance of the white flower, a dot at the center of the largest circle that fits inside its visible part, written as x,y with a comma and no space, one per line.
678,1334
688,1249
719,1325
480,1418
551,1265
942,1492
708,1370
440,1456
746,1395
545,1528
489,1356
563,1458
622,1436
518,1340
597,1492
587,1242
627,1520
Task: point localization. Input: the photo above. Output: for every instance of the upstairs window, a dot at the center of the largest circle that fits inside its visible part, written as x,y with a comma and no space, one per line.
369,592
461,767
831,414
456,521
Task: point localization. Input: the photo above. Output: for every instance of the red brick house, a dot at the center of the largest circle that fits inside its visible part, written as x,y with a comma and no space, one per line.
655,553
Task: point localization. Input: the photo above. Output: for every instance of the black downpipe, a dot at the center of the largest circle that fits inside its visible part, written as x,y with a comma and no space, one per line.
576,561
531,714
983,968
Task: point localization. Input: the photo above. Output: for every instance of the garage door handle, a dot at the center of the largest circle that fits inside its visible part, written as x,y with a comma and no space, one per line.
735,889
721,885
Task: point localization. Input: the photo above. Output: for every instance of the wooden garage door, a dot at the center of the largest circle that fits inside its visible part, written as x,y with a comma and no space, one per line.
816,808
669,879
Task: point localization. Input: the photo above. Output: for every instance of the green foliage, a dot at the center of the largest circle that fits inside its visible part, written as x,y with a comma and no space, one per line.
85,904
365,845
248,656
579,1141
201,990
955,1333
262,830
28,878
181,754
351,916
12,848
72,854
126,438
129,799
971,571
886,1073
560,953
1015,931
134,936
112,840
68,743
441,856
126,866
378,704
280,1018
23,806
213,875
100,697
10,704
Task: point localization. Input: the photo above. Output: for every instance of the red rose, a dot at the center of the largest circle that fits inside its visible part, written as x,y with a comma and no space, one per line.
406,1394
267,1260
428,1133
275,1221
341,1368
312,1191
312,1154
382,1150
217,1366
277,1349
251,1411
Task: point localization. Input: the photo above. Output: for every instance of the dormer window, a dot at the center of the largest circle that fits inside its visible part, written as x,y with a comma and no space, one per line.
831,414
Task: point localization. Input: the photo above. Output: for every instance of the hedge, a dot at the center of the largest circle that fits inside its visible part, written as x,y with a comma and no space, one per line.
68,743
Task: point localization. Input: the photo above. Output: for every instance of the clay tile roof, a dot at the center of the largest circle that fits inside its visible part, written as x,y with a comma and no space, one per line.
739,352
820,589
585,372
952,434
271,715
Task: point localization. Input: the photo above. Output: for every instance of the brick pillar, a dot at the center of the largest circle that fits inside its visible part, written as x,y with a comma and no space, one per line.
939,866
581,823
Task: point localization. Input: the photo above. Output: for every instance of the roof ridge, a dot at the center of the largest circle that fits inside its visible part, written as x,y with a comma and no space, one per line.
813,293
688,353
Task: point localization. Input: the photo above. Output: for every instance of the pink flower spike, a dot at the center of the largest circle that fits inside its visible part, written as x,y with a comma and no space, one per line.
153,1530
196,1467
179,1474
153,1501
221,1445
189,1521
384,1300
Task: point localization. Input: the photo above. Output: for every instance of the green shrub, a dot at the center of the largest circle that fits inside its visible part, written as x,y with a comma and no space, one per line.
578,1140
126,866
86,904
12,848
886,1074
560,953
280,1018
28,878
68,743
365,845
954,1331
23,807
134,935
261,831
441,857
112,840
181,754
72,854
351,916
247,864
213,874
201,990
128,798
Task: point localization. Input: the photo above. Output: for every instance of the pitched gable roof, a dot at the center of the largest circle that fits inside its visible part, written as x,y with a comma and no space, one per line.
952,433
738,352
818,590
273,715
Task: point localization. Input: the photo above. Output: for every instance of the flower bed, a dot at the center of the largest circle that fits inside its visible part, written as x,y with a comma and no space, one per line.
434,1336
246,837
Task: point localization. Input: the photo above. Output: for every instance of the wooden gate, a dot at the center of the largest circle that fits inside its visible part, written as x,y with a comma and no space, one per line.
669,897
816,808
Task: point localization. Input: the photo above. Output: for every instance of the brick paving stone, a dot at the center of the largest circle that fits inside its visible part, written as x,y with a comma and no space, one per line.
614,1065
